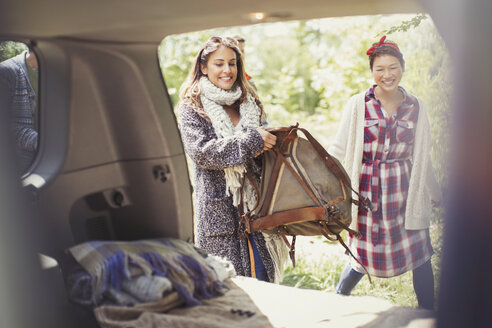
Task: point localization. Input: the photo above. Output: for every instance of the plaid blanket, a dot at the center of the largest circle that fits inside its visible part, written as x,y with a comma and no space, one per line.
108,266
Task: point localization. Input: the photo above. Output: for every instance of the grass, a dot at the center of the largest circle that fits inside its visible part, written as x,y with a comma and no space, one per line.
319,264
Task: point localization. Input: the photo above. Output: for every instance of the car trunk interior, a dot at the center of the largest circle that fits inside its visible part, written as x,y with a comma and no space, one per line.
111,165
121,172
111,162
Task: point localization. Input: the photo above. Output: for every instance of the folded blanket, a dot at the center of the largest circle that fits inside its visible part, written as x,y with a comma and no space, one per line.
142,289
234,309
142,271
147,289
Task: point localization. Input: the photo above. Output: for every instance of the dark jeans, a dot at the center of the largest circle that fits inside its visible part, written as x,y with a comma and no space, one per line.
423,283
259,266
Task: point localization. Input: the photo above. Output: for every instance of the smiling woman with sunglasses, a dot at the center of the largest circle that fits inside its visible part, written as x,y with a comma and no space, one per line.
220,119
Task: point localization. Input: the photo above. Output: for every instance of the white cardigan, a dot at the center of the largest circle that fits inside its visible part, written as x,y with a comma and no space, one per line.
348,149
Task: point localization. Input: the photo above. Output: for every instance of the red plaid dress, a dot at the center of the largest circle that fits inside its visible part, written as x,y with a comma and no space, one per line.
386,248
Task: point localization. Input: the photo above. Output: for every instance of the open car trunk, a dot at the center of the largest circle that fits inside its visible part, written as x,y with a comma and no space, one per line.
111,166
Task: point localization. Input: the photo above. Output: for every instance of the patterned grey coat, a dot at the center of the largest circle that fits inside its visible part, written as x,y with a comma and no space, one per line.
217,218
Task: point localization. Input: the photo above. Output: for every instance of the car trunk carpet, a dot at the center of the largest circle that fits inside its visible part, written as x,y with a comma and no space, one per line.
253,303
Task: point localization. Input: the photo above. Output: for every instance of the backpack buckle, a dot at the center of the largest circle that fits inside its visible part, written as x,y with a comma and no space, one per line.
364,202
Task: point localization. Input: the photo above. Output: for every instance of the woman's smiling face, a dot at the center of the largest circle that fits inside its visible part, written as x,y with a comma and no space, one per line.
387,72
221,68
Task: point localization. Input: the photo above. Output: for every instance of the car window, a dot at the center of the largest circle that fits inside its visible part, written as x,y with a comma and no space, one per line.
19,96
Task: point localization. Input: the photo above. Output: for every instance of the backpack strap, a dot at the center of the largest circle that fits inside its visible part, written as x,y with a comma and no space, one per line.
333,166
356,234
323,228
298,177
251,259
270,187
284,134
288,217
292,246
347,249
244,221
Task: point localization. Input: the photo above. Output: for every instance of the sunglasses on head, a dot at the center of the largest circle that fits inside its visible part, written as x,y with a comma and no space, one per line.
218,39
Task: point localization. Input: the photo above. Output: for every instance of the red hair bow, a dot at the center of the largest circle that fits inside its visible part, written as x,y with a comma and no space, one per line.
379,44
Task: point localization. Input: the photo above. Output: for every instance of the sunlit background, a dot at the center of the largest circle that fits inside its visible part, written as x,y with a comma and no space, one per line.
305,71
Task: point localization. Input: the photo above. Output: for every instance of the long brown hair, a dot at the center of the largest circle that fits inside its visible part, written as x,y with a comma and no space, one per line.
190,90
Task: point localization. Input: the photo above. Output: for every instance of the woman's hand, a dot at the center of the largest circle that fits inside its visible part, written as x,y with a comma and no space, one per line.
269,139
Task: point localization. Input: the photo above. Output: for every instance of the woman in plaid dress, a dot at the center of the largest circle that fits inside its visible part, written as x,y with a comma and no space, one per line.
384,140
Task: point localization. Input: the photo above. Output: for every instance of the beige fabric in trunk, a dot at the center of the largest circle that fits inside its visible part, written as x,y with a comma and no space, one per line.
280,306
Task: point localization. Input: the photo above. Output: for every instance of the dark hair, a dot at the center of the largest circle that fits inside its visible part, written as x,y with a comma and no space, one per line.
190,91
386,50
239,38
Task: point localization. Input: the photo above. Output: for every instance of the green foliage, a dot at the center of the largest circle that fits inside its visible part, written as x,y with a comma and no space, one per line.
9,49
176,58
321,277
289,63
405,25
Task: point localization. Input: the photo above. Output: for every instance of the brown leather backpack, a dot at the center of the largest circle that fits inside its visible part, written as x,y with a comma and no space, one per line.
304,191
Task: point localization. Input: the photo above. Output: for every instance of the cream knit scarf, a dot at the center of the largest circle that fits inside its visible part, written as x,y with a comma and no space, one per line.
213,99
